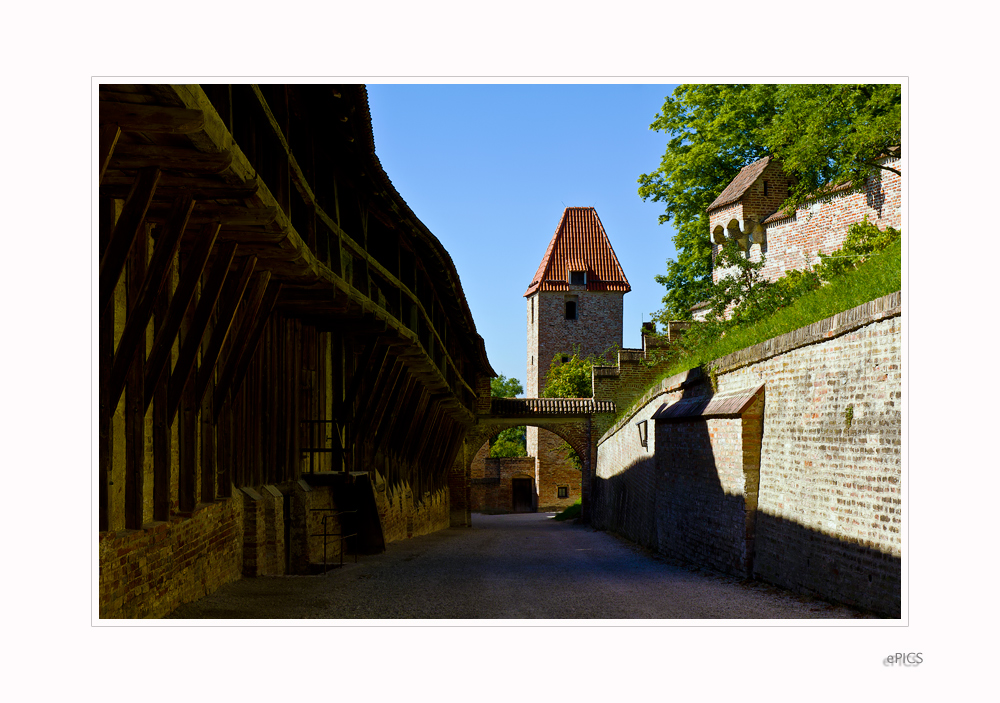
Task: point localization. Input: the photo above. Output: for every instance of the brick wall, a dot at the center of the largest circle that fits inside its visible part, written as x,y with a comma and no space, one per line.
818,225
552,469
403,517
147,573
827,516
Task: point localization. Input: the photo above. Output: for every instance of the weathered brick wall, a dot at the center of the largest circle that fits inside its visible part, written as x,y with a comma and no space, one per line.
147,573
829,511
552,470
827,519
819,225
707,492
596,329
403,517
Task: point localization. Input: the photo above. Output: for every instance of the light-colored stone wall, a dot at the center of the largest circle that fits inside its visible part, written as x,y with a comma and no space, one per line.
827,519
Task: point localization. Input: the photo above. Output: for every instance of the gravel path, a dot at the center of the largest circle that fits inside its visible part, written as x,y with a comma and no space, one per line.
509,567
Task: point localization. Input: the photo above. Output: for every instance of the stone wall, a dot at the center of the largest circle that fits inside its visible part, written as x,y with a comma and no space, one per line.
147,573
827,516
821,224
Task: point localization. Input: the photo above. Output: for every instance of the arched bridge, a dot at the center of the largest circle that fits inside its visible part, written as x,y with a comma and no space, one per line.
572,419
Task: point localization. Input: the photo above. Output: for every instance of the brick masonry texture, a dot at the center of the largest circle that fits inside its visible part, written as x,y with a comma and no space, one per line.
826,516
819,225
147,573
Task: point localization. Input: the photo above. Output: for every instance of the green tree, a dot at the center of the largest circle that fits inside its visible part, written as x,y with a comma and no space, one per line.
822,134
503,387
511,442
571,379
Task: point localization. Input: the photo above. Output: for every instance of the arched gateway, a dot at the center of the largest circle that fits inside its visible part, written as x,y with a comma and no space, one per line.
572,419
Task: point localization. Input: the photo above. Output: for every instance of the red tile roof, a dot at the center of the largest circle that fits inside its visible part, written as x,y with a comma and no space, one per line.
738,186
579,244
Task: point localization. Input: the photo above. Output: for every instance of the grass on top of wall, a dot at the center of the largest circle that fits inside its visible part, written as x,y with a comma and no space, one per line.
876,277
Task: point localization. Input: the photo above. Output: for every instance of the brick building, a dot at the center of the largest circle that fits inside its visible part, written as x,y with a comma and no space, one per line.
574,303
749,211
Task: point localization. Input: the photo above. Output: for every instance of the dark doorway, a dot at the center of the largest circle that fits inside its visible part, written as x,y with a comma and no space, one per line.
521,490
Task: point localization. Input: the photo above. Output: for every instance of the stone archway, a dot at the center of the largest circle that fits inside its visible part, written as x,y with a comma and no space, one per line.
572,423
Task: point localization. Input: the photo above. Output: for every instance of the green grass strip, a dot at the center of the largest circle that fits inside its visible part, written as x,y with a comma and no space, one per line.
878,276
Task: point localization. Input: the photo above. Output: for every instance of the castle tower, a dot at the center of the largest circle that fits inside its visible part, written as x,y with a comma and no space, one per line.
574,302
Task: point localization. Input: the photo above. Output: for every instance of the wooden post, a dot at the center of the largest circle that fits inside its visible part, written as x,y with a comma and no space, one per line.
135,445
127,229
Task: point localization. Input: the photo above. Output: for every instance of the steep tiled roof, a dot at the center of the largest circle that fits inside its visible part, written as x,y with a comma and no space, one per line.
738,186
580,244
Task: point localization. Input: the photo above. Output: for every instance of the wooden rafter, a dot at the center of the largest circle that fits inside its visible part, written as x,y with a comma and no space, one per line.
159,355
152,282
260,321
151,118
126,230
167,158
252,301
231,296
107,139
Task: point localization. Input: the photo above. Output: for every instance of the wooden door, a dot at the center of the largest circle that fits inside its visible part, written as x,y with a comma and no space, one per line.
521,490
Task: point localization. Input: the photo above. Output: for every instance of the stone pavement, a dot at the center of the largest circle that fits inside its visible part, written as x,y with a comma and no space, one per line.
525,566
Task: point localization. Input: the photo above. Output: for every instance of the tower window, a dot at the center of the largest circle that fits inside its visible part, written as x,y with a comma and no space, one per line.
578,278
765,188
565,360
570,309
564,491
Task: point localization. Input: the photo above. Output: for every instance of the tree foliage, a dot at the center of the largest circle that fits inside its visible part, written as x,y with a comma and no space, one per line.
511,442
743,296
822,134
570,379
503,387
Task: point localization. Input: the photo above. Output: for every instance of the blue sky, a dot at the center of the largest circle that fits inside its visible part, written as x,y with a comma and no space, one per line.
490,168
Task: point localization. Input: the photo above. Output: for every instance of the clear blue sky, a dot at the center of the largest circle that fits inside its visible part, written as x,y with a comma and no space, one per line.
490,168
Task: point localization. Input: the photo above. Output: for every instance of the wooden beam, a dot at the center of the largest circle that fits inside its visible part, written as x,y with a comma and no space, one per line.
151,118
152,283
371,395
261,316
107,139
235,285
135,444
254,297
161,424
159,355
126,230
169,158
117,185
106,349
224,214
344,410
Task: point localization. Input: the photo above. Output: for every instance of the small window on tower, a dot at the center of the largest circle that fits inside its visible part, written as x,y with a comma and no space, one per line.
570,309
765,188
578,278
564,491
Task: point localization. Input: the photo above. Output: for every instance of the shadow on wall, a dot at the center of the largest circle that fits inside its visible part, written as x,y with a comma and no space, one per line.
696,500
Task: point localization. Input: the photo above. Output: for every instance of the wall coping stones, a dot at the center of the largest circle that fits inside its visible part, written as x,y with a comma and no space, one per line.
275,493
840,324
252,494
679,381
303,485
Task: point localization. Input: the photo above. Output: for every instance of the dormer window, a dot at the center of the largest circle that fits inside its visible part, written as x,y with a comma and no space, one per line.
578,278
